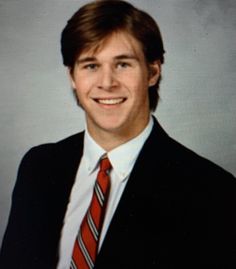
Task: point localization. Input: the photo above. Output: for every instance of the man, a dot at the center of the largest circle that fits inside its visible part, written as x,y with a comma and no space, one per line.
166,207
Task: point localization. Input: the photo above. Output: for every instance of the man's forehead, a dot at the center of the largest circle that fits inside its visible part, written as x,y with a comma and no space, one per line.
121,43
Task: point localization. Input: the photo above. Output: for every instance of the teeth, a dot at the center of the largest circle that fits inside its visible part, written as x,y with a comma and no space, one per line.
110,101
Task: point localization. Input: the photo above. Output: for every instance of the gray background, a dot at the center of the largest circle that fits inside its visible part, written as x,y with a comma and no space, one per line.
198,95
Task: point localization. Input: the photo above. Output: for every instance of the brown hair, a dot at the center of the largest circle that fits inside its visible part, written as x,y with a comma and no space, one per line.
95,21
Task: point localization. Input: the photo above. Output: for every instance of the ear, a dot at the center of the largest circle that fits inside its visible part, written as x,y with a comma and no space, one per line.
154,72
71,77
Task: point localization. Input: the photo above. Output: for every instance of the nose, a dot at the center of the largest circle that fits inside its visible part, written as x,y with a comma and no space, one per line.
106,79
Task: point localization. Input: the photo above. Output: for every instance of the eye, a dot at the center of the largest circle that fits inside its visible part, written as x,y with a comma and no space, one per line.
91,66
123,65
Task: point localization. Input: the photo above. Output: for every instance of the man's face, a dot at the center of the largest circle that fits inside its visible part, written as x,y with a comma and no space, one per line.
111,84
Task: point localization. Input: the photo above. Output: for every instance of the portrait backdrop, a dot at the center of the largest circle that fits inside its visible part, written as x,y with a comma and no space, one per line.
198,95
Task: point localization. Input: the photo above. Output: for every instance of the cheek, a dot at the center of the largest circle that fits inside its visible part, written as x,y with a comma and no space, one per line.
132,80
80,81
82,85
138,84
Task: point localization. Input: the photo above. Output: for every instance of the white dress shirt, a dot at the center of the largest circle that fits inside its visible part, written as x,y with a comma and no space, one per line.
122,160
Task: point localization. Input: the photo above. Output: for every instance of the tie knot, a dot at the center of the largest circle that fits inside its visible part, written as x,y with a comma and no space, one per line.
105,164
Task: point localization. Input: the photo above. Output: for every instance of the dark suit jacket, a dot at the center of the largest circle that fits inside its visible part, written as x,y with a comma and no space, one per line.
177,210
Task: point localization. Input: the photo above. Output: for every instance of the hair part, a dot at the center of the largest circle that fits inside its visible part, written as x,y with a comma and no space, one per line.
96,21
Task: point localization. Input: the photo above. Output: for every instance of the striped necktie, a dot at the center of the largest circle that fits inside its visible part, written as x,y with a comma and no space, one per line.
86,243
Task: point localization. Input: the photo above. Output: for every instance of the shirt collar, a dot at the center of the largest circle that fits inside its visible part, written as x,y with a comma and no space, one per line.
92,152
122,158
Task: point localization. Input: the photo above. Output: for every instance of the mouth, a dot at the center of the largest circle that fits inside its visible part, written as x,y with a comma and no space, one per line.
110,101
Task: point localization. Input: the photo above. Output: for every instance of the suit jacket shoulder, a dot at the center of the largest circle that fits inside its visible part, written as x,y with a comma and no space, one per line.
177,155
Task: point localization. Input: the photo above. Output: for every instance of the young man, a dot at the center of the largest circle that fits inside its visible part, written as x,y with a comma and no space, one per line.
157,203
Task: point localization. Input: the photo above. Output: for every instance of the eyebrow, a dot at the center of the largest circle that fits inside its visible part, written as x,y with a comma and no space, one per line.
85,60
127,57
118,57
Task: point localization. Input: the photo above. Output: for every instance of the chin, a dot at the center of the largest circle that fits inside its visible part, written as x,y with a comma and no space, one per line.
111,128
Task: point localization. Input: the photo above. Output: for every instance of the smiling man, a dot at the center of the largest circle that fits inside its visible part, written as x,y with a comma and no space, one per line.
115,91
122,194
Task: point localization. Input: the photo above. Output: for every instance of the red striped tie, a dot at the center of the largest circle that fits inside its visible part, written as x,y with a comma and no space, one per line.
86,243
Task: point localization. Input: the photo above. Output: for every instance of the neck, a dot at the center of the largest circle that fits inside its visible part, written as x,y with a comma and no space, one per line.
109,140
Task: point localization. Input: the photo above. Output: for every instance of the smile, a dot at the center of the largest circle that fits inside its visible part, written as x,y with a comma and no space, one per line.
112,101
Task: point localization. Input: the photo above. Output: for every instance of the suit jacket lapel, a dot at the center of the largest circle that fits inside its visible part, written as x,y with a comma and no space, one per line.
136,197
66,159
